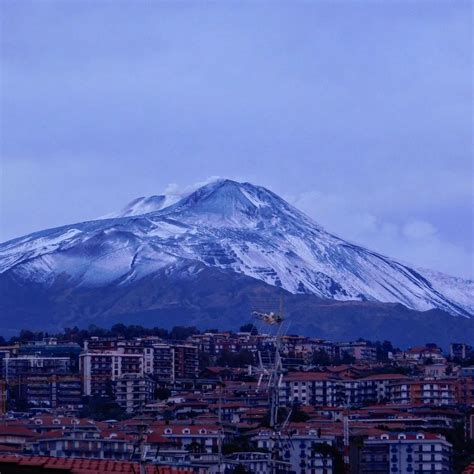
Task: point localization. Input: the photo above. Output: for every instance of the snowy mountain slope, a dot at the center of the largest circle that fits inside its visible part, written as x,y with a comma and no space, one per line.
144,205
236,227
455,288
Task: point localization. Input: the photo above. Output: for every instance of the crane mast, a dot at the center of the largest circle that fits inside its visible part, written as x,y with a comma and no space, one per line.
274,372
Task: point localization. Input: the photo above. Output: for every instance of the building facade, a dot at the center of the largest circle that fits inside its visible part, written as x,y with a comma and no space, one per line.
133,391
404,453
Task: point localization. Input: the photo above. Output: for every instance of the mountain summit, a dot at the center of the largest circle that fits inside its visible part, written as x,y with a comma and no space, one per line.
232,227
226,203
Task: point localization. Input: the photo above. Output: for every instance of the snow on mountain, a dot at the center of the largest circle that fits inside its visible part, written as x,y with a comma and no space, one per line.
455,288
144,205
233,226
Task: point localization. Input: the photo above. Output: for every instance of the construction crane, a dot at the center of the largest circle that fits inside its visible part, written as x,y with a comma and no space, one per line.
274,372
269,318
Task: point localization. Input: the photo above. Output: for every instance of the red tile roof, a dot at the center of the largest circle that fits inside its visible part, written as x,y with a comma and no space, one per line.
412,436
15,429
84,466
156,438
469,469
9,449
385,377
51,434
307,376
420,350
177,429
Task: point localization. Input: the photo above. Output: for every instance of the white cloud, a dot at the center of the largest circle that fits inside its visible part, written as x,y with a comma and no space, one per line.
417,242
419,230
174,189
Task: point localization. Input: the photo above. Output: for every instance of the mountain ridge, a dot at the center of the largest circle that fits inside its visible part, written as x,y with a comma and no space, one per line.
208,297
239,228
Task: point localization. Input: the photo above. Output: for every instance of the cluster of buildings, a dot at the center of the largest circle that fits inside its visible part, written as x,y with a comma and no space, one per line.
182,407
50,374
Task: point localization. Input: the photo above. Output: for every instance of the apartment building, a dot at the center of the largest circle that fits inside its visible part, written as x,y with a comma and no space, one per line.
427,391
163,362
133,391
459,350
100,368
375,388
51,347
311,388
360,350
465,390
17,369
197,437
186,361
83,444
402,453
35,381
299,449
421,355
52,392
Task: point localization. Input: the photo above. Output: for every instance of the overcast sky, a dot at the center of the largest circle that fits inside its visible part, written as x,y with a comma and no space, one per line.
358,112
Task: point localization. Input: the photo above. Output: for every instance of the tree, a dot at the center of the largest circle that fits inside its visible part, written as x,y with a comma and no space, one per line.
118,329
428,361
281,415
29,336
241,469
383,349
204,360
181,332
238,444
298,415
346,358
163,393
195,447
102,408
235,359
329,451
320,357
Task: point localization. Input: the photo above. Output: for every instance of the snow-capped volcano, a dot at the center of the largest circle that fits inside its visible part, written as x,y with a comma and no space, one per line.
237,227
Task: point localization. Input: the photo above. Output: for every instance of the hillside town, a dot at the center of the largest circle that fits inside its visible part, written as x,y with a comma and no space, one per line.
187,401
